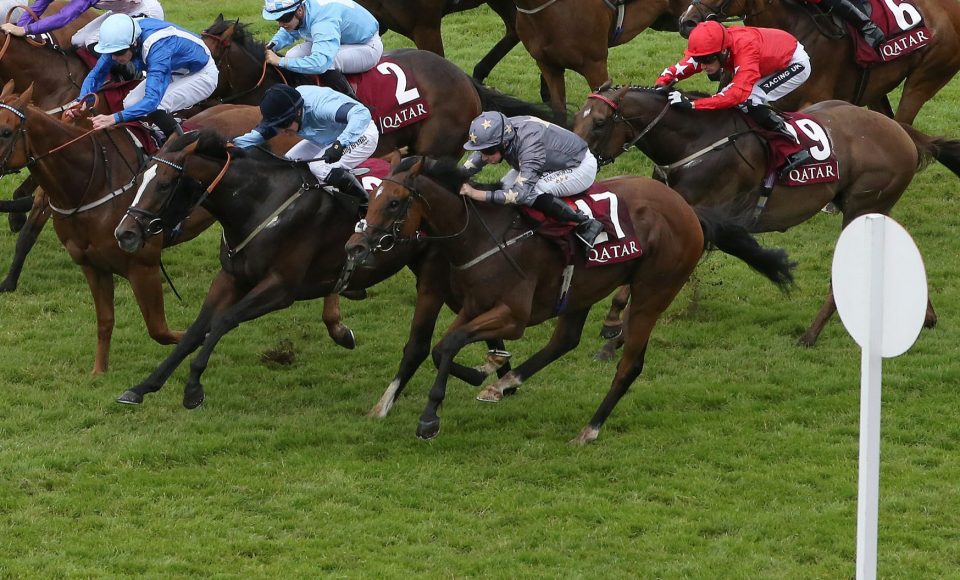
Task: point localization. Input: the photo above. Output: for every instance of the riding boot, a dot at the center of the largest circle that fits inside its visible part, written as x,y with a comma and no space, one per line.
347,183
335,80
855,16
587,228
795,160
166,123
768,118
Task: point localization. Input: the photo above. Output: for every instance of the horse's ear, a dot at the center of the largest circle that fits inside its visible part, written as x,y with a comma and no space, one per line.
219,18
605,86
228,31
418,165
7,89
26,97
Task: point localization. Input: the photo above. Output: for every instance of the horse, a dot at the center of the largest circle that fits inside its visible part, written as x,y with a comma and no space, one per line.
453,98
878,157
90,178
835,74
517,284
419,20
299,257
576,35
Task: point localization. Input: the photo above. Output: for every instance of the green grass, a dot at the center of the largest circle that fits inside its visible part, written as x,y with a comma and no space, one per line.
734,455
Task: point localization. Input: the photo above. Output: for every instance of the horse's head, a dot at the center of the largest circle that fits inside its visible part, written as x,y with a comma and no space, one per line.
614,119
704,10
14,149
219,36
172,186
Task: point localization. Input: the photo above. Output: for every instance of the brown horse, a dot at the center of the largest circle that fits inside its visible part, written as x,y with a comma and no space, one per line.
877,156
90,178
835,75
419,20
576,35
502,297
299,257
453,98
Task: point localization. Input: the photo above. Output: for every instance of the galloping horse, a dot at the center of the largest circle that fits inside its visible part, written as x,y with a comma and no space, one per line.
576,35
877,156
419,20
835,75
90,178
299,257
502,297
453,98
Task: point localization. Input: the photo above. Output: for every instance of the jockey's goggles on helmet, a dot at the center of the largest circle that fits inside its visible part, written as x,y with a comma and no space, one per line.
490,150
708,58
285,18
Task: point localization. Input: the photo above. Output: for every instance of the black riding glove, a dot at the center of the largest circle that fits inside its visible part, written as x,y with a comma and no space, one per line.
679,100
333,153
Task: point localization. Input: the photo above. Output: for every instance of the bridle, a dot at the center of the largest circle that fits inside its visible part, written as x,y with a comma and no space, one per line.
226,69
20,131
618,118
150,223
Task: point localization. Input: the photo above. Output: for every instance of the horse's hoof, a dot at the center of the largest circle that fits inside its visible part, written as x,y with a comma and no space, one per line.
490,394
806,341
130,398
427,430
603,355
347,340
7,286
194,400
587,435
609,332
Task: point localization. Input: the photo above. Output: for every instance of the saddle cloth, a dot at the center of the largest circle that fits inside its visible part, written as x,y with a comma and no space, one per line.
391,94
822,167
619,241
902,24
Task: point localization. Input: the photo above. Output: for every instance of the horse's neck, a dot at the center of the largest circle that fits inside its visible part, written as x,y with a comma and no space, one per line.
46,133
783,14
26,65
681,134
240,203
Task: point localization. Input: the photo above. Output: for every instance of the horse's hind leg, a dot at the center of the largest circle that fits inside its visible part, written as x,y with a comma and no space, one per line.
221,295
612,325
339,332
566,337
809,337
25,241
917,90
148,290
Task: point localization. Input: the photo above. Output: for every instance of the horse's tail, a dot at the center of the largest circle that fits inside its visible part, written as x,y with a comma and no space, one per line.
946,151
493,100
729,235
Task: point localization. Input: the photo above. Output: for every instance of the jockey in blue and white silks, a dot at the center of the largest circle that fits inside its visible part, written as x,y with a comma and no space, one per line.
340,36
90,33
179,69
337,131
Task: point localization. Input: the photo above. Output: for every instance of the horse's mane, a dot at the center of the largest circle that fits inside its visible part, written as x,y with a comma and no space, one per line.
446,171
659,91
243,38
210,143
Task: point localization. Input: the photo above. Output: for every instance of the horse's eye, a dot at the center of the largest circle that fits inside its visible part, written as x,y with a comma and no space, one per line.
394,204
6,132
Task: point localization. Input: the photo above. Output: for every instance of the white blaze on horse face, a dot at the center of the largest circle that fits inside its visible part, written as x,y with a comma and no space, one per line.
148,176
586,112
379,191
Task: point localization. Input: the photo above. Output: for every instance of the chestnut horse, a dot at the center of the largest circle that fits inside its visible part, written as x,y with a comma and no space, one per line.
576,35
299,257
419,20
454,99
835,75
502,297
877,156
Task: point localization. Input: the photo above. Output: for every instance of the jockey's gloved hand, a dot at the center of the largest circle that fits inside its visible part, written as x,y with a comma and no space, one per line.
333,153
679,100
271,46
664,89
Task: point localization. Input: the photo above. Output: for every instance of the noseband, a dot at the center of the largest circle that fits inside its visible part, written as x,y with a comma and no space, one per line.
391,235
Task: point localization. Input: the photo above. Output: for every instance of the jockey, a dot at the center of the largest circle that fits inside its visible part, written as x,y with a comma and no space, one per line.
340,36
180,72
767,64
850,12
548,162
337,131
89,34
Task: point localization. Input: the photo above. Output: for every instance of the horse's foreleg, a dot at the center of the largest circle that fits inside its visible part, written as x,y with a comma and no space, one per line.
222,294
809,337
612,325
496,54
339,332
148,290
427,36
552,77
101,286
566,337
26,239
271,294
17,217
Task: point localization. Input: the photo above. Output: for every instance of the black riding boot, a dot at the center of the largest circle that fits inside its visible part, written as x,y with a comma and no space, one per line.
166,123
768,118
587,228
855,16
347,183
336,81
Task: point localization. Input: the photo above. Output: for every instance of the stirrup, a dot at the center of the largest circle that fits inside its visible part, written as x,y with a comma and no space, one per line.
796,160
588,231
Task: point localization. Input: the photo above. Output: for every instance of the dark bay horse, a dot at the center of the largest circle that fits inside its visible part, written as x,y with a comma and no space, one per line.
576,35
299,257
835,75
503,297
454,99
419,20
877,156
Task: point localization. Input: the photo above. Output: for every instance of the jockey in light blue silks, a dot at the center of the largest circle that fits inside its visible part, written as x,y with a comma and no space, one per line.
90,33
180,71
340,36
337,131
